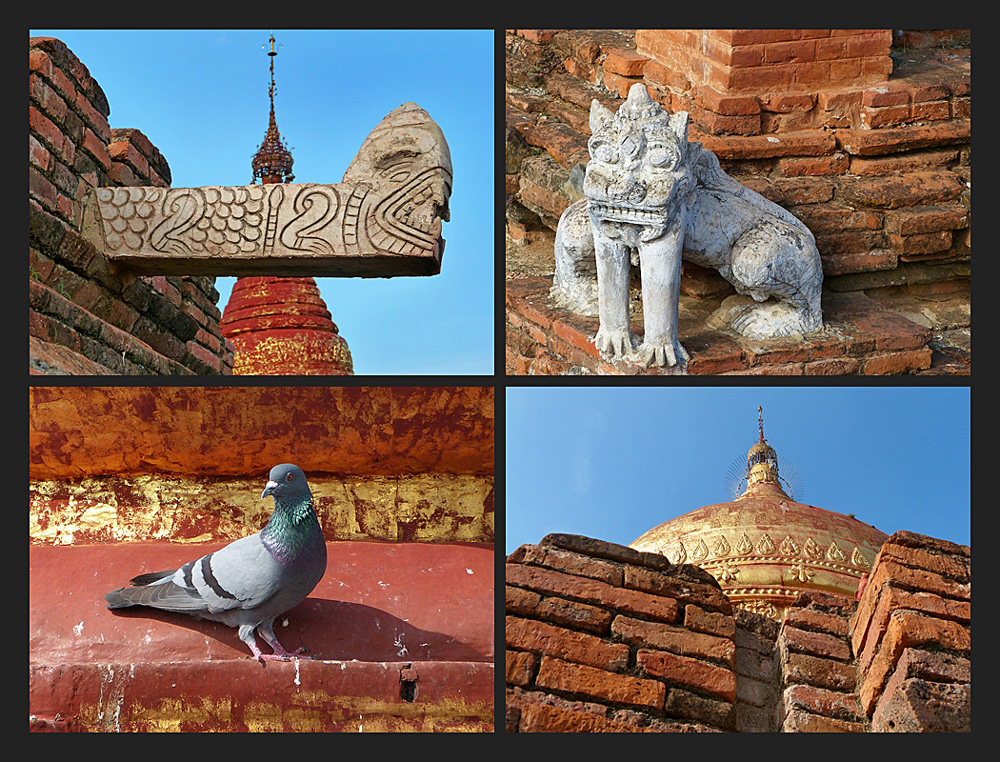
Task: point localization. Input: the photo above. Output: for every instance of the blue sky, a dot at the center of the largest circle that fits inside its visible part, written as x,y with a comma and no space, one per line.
611,463
201,98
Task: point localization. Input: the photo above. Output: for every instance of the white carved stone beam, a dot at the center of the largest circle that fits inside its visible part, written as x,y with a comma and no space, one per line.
384,220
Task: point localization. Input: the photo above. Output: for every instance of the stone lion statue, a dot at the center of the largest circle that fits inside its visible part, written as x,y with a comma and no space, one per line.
651,197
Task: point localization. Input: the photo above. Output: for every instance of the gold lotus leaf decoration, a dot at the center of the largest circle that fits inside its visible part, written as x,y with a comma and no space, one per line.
859,559
744,546
700,552
789,547
722,548
765,547
834,553
812,550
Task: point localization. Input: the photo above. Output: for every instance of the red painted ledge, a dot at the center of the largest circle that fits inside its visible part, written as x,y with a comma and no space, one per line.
402,634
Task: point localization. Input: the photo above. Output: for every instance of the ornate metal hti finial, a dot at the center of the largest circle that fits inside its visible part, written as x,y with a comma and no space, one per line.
273,161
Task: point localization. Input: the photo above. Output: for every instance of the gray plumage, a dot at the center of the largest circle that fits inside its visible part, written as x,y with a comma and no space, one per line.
250,582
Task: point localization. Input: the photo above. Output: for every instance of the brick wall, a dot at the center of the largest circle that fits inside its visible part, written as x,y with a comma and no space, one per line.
604,638
912,636
85,315
600,639
877,163
818,671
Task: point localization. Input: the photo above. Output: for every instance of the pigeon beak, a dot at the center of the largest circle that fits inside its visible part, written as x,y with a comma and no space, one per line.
268,489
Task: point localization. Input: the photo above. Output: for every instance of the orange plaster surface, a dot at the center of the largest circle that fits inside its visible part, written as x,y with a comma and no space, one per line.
78,432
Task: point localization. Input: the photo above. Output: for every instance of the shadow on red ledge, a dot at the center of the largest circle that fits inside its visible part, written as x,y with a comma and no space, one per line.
391,652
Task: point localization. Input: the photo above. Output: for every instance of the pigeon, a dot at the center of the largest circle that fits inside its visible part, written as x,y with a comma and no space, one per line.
250,582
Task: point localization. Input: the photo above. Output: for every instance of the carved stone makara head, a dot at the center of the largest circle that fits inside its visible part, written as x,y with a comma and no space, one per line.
639,163
383,220
406,157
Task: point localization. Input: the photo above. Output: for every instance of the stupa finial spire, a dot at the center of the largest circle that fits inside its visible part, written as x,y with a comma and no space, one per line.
762,460
273,161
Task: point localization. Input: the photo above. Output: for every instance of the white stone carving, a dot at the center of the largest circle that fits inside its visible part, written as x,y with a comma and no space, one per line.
651,195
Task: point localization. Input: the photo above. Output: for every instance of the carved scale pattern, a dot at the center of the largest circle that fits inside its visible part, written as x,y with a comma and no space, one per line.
254,219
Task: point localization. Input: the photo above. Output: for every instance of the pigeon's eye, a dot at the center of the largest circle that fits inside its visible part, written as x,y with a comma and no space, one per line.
288,478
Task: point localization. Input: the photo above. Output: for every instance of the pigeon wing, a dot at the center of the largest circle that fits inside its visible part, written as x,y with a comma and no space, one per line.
241,575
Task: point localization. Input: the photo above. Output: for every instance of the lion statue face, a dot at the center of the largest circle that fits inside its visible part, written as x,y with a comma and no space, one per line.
638,167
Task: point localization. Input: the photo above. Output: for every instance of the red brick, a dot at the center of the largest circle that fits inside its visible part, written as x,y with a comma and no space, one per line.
675,639
742,55
38,154
847,71
97,148
573,563
806,143
816,643
38,60
658,583
799,721
756,36
918,246
901,190
831,48
820,672
907,629
784,103
568,586
728,105
690,672
719,124
520,667
871,142
836,164
565,677
625,62
543,638
812,75
875,42
817,620
710,622
884,96
537,717
890,116
876,69
756,79
920,706
47,130
537,35
619,84
40,189
873,614
826,703
931,111
790,52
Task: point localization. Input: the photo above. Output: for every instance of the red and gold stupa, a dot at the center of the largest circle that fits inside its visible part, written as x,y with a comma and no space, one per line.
764,548
281,326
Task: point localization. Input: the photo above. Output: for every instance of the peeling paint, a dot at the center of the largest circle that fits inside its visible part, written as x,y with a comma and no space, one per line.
408,508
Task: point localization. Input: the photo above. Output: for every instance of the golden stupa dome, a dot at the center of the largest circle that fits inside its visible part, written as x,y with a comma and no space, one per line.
764,548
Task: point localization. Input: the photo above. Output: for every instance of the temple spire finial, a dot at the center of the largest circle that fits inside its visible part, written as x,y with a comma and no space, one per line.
273,161
762,460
